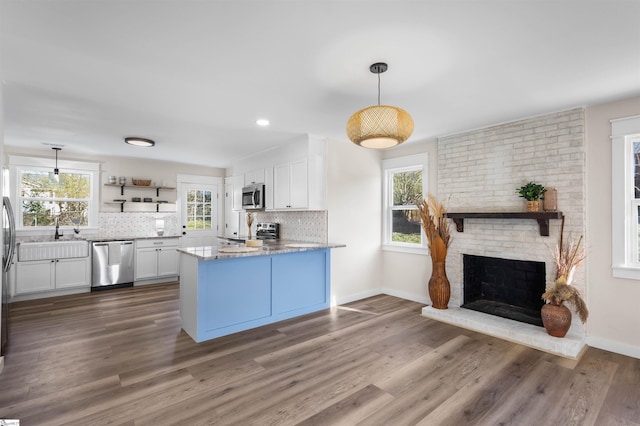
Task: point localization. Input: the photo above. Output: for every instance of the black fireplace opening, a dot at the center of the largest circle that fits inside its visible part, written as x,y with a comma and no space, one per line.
505,288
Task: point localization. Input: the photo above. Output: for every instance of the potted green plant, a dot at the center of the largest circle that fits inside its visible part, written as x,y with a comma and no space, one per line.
556,317
532,193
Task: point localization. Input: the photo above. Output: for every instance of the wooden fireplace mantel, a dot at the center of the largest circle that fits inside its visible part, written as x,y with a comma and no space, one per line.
541,217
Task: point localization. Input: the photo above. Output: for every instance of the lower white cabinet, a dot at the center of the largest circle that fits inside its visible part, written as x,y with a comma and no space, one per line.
157,258
52,274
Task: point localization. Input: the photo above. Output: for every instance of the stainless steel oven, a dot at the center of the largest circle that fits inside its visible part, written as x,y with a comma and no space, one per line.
253,197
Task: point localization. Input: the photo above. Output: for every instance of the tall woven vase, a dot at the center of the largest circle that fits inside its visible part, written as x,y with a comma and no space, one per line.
439,288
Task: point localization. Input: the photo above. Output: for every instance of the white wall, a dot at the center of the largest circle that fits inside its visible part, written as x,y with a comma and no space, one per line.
614,303
407,275
1,186
161,171
354,203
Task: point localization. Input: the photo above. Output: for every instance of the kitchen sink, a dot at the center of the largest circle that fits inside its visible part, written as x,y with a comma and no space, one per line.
59,249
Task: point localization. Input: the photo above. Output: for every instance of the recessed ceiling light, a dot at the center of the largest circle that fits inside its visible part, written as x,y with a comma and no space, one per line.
139,141
262,122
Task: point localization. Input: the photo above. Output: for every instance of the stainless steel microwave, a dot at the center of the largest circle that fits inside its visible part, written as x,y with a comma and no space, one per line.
253,197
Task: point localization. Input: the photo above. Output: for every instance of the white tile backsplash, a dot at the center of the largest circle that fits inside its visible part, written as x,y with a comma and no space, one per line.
308,226
132,225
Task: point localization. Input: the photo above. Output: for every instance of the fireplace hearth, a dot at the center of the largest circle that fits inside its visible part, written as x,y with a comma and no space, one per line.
504,287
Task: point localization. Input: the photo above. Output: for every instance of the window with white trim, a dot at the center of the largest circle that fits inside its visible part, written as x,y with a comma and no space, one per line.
42,197
625,149
404,184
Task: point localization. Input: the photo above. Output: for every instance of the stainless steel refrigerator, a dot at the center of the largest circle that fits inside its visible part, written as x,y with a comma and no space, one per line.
9,243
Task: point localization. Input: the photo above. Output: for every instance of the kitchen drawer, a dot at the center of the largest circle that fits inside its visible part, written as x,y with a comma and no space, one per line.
158,242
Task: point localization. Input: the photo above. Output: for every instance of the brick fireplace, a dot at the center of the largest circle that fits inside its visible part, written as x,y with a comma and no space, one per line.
479,171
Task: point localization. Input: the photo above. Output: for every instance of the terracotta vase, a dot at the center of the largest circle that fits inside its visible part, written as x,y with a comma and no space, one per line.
439,288
556,319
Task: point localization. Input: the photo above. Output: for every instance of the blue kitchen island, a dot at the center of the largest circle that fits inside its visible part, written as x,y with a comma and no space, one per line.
223,293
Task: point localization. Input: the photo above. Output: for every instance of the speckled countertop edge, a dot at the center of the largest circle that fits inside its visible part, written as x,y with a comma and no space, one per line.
211,252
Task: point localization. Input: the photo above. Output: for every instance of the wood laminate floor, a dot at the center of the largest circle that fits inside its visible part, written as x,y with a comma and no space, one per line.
119,357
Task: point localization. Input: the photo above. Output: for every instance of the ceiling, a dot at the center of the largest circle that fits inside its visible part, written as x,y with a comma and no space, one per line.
195,75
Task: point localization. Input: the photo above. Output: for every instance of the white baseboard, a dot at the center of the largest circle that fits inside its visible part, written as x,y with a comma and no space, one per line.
407,296
611,346
354,297
374,292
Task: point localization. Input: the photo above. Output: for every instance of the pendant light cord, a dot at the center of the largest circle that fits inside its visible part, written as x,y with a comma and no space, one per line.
378,89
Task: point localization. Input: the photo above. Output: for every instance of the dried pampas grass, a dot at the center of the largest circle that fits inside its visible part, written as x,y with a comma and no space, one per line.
567,255
433,216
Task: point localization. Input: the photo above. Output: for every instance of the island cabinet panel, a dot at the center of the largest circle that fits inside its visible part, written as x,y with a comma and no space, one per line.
299,280
234,296
224,296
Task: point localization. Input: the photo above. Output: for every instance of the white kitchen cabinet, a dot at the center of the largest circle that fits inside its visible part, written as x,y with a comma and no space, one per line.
72,273
295,174
254,176
290,185
231,217
52,274
156,258
233,187
34,276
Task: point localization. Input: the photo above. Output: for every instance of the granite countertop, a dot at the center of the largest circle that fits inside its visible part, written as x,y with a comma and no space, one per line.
268,249
94,238
139,237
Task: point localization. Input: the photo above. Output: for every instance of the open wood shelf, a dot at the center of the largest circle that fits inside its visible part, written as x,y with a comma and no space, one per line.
122,187
541,217
122,203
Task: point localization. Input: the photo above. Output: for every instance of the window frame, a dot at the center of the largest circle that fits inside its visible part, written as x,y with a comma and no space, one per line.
624,205
17,164
389,167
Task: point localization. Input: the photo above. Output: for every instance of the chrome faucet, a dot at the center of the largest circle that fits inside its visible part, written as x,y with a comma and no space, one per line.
58,234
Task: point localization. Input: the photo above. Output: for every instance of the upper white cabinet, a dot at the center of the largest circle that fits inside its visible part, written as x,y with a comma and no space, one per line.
254,176
294,174
291,185
231,217
233,192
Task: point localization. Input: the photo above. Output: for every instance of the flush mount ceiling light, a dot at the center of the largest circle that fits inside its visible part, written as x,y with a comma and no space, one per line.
379,126
263,122
139,141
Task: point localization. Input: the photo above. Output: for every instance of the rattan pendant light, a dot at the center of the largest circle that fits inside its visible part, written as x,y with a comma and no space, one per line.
379,126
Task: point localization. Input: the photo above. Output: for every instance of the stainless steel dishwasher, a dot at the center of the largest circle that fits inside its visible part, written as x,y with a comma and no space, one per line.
112,264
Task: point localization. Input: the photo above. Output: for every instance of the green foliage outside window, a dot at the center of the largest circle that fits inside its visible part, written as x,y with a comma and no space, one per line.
405,222
46,197
199,208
